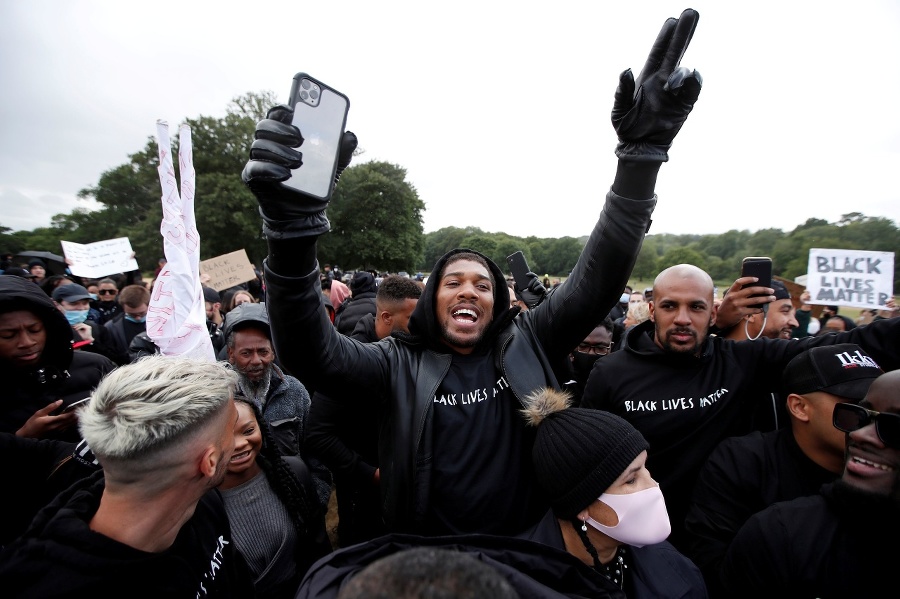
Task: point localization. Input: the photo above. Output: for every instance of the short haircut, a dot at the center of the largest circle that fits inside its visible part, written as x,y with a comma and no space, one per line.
141,409
433,572
107,281
134,296
395,289
474,258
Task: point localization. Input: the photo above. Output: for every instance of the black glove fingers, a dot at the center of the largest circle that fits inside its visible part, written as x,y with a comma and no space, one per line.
681,39
269,151
348,146
257,171
278,132
281,113
624,98
658,51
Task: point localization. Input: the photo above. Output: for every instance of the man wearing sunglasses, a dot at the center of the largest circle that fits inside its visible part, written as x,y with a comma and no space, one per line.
841,542
746,474
107,300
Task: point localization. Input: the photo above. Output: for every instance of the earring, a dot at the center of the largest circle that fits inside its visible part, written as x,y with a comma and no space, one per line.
584,525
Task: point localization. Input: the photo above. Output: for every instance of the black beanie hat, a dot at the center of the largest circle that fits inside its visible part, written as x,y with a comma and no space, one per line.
578,452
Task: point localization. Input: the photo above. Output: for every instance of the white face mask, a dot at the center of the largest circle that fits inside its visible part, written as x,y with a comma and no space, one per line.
643,519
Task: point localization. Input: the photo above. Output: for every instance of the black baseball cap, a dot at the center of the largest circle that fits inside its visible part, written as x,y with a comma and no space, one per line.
845,370
71,292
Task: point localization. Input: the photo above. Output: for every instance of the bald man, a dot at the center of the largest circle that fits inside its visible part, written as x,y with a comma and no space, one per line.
686,390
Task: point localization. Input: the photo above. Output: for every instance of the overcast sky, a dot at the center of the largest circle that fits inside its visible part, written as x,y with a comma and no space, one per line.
499,111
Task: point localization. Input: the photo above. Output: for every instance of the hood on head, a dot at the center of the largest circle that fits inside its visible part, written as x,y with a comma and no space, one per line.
363,282
423,322
17,293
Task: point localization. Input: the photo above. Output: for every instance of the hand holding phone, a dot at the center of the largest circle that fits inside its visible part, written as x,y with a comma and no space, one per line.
759,267
528,286
285,145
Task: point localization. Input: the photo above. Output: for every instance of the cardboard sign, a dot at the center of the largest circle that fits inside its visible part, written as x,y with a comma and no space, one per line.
855,278
228,270
101,258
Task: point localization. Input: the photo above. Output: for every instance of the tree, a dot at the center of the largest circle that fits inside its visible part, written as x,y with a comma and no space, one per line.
680,255
376,220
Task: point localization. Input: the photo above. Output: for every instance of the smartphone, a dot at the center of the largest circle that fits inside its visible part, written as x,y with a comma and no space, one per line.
71,402
320,112
760,267
518,266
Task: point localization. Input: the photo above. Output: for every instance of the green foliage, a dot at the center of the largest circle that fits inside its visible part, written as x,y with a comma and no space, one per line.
376,220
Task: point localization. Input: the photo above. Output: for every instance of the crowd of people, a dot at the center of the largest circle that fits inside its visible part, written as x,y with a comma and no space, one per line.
456,435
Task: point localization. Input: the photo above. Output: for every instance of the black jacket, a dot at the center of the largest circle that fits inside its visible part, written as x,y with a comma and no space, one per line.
61,373
655,571
60,556
524,347
744,475
352,310
535,570
837,543
685,405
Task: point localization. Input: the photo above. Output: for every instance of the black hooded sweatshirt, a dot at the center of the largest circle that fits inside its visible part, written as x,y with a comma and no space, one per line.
61,372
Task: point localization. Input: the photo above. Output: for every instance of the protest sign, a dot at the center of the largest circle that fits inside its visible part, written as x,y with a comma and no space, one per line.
100,258
228,270
855,278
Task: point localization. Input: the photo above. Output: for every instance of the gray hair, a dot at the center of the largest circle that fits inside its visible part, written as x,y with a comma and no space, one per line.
155,403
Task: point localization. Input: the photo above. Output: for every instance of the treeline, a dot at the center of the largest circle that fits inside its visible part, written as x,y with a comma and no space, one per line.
376,218
720,255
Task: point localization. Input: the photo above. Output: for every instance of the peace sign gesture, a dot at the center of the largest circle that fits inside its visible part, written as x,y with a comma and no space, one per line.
648,113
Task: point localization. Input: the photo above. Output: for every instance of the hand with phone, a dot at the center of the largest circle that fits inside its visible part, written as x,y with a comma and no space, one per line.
47,420
648,112
293,206
528,286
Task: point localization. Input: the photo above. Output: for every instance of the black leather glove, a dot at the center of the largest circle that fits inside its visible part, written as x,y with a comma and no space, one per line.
532,295
648,113
286,212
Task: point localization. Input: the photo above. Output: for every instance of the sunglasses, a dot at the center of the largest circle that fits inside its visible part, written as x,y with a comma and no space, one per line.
107,292
850,417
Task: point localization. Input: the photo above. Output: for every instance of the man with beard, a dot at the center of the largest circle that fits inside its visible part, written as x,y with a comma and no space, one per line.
456,455
687,390
282,400
152,523
842,541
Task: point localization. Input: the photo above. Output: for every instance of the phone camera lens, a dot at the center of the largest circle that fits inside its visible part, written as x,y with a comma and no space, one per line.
304,95
314,94
306,84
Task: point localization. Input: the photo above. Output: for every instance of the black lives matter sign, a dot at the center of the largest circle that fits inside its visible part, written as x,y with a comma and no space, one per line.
856,278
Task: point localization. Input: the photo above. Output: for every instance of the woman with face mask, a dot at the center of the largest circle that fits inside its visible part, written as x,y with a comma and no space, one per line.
606,510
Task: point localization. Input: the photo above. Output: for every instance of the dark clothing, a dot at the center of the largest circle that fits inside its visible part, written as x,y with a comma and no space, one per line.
61,371
837,543
534,570
108,310
41,468
120,332
685,405
654,571
343,434
102,344
744,475
60,556
352,310
409,369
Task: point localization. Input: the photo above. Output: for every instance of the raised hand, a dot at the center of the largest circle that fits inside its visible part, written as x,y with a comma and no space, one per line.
286,212
648,113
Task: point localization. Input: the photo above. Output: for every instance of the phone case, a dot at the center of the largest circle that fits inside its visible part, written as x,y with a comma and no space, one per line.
760,267
320,112
518,266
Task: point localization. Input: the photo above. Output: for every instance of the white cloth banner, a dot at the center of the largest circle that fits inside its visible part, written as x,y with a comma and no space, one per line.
176,318
855,278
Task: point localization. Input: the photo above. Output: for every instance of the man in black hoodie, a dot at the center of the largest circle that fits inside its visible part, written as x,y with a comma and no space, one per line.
40,370
152,523
456,455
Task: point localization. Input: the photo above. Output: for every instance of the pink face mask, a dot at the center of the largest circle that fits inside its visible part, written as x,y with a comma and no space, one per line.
643,519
